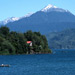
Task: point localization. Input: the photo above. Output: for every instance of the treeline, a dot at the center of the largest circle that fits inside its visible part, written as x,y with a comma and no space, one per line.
16,43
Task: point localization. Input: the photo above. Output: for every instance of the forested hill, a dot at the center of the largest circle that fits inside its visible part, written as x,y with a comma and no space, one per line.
16,43
62,40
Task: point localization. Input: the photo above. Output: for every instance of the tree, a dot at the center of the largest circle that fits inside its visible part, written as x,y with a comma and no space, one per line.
4,30
16,43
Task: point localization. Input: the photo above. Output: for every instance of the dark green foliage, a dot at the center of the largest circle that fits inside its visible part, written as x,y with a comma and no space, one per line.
62,40
4,31
6,47
16,43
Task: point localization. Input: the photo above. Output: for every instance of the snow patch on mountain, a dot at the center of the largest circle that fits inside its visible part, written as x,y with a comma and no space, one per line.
28,15
12,19
50,8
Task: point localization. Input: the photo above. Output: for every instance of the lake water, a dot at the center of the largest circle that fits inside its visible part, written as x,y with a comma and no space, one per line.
61,62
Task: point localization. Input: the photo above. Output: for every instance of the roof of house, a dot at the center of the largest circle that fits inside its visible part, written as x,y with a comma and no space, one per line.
29,42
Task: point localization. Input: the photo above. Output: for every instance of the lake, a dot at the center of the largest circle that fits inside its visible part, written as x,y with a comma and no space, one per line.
60,62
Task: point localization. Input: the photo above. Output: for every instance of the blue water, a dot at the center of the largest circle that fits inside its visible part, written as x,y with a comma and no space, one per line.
61,62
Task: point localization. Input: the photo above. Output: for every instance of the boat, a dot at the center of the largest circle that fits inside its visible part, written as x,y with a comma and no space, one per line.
4,65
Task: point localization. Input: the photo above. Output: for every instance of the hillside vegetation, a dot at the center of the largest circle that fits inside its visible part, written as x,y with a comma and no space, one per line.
16,43
62,40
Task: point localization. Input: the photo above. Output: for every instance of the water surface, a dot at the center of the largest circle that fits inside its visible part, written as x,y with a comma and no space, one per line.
61,62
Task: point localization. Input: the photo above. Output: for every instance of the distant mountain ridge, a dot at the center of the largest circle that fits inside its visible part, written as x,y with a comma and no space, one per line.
62,40
49,19
13,19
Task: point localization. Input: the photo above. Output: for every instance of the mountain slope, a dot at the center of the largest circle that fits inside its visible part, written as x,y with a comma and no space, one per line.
46,20
13,19
62,40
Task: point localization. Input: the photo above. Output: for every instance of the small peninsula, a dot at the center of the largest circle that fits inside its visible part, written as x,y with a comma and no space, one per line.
12,42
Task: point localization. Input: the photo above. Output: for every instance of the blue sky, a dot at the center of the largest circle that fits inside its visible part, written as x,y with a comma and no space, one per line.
19,8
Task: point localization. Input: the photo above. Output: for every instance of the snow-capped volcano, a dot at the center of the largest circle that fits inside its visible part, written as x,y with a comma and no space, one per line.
53,8
49,19
50,12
